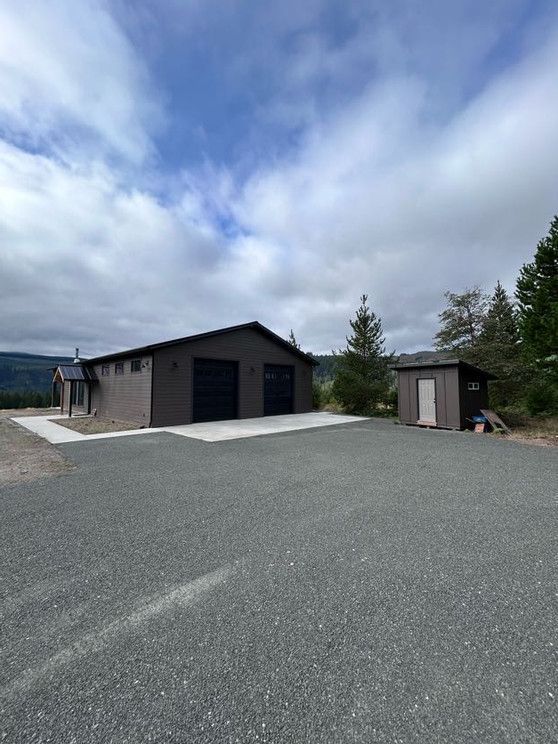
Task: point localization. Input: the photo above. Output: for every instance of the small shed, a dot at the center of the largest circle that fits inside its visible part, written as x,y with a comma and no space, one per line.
441,393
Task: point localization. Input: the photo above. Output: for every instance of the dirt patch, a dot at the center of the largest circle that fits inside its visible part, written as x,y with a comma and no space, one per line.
26,457
540,431
15,412
95,425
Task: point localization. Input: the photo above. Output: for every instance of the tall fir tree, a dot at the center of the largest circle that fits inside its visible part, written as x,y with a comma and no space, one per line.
537,295
292,340
461,323
362,369
498,346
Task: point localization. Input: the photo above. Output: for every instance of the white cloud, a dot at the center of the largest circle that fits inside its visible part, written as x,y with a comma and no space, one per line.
379,196
71,82
378,201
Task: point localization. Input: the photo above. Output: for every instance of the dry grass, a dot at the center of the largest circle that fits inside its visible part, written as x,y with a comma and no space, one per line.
15,412
541,431
24,456
95,425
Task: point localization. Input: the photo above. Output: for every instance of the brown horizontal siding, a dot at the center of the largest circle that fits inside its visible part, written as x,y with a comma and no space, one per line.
124,397
172,374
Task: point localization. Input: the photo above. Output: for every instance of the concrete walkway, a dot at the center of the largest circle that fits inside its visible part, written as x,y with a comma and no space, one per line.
213,431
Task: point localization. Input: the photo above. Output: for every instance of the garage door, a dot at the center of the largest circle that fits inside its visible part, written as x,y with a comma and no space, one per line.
278,389
215,390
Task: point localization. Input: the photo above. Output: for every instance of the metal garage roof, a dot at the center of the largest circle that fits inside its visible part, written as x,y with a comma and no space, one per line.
254,324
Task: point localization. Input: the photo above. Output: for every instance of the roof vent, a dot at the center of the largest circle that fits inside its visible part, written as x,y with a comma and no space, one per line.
77,360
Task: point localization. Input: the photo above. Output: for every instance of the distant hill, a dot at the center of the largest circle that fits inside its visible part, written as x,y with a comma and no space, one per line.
24,372
326,370
424,356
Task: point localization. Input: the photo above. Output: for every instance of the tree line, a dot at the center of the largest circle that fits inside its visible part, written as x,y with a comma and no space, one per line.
515,338
26,399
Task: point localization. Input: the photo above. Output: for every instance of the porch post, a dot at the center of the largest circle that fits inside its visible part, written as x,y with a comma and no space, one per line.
71,398
62,386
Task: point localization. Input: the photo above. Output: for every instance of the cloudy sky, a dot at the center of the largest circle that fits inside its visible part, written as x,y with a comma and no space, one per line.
173,166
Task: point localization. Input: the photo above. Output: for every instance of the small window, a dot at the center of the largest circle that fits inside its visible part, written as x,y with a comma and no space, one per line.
473,386
135,365
119,368
106,370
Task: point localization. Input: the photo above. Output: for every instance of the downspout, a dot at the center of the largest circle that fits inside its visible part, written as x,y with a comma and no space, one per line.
151,392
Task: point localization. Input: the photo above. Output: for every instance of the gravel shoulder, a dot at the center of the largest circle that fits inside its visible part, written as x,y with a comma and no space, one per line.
25,457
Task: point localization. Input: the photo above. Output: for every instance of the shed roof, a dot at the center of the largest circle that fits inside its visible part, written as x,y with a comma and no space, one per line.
254,325
446,363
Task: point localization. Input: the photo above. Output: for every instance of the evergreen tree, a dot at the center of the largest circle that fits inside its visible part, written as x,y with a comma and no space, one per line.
537,295
498,346
461,323
362,369
292,340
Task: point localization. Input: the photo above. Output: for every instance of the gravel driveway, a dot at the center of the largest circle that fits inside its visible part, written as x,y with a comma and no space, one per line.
359,583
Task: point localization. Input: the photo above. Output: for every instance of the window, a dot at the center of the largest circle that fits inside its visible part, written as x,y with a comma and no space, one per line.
473,386
135,365
105,370
119,368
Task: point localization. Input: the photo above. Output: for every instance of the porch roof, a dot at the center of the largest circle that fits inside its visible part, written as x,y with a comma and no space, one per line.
66,372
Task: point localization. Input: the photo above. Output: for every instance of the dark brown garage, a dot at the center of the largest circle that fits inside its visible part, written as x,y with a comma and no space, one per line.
444,394
243,371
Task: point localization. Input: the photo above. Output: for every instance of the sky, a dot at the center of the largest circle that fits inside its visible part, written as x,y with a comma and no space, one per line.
169,167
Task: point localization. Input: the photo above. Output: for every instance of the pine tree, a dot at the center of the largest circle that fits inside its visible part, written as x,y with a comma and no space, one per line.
461,323
498,346
292,340
537,295
362,369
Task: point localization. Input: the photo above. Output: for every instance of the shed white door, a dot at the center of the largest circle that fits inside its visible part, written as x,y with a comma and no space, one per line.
427,401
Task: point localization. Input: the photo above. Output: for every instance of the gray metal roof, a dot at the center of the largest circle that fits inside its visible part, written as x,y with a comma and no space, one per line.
445,363
76,372
254,324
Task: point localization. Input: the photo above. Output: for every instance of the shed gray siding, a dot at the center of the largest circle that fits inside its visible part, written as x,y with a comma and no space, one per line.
455,403
125,397
173,365
447,395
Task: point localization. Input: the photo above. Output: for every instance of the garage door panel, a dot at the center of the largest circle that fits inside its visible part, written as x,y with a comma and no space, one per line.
278,389
215,390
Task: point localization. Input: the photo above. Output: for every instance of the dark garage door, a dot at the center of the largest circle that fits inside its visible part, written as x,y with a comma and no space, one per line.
278,389
215,390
